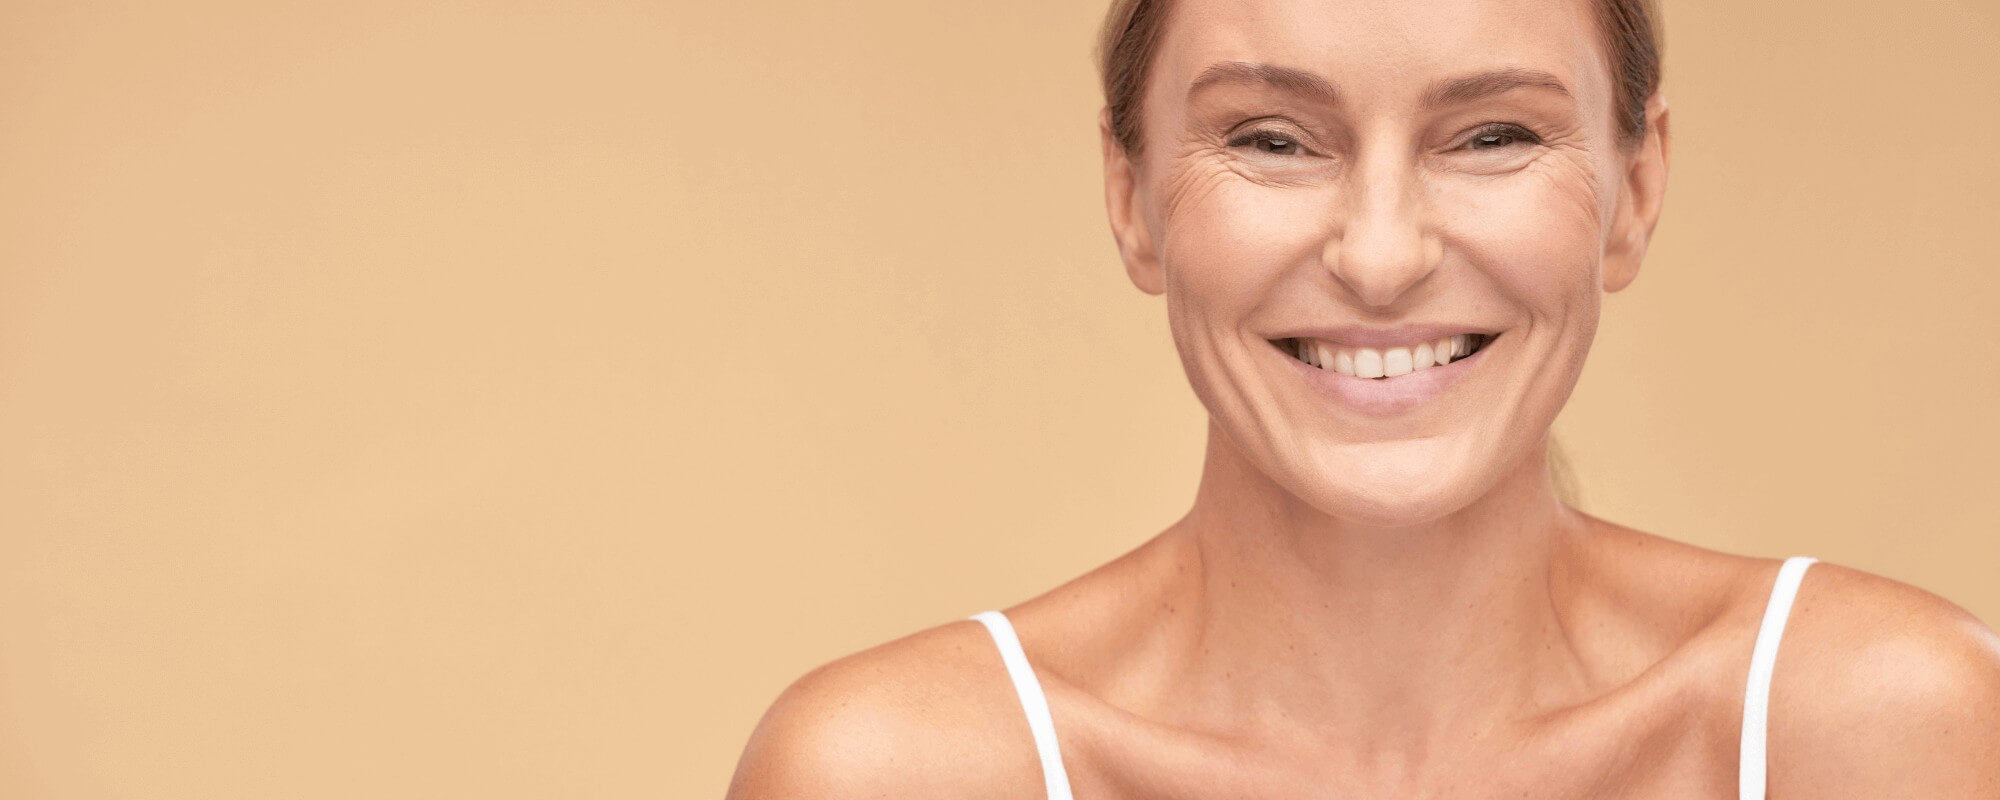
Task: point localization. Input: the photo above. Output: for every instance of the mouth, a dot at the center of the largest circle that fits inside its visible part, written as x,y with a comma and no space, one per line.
1384,363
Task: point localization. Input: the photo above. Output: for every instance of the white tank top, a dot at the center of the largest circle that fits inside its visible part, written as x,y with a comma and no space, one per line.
1756,693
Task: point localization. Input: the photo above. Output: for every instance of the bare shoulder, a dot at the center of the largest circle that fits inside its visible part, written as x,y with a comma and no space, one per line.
932,714
1883,690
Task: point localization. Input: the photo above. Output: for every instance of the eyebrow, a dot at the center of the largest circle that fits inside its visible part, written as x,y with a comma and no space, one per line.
1296,81
1487,84
1441,93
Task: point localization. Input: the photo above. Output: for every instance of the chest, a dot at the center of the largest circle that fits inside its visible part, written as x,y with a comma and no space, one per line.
1670,755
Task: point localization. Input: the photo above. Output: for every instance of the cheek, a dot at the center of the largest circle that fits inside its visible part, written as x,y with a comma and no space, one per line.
1228,246
1538,233
1229,241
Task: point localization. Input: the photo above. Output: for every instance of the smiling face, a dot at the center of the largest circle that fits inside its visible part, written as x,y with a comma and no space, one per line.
1330,190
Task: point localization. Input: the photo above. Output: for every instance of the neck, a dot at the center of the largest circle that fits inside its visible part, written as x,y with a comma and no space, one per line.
1393,637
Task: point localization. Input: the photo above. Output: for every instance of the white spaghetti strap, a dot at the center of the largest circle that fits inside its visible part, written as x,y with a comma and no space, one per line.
1764,658
1040,723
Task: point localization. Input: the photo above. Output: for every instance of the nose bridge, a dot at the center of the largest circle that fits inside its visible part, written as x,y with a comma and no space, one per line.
1384,245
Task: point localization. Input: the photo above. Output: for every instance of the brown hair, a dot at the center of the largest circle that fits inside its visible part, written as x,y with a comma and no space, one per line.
1629,31
1132,32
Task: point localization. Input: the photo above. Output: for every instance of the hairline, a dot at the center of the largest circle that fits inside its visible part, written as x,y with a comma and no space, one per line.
1635,68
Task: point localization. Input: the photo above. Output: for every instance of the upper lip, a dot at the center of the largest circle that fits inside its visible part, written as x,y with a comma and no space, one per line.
1364,336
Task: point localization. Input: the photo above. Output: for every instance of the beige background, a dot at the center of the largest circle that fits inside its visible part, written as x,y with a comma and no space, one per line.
508,399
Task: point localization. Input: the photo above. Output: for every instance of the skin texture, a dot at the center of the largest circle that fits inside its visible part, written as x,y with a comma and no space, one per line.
1398,607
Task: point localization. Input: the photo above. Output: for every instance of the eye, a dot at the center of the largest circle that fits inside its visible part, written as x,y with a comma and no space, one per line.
1270,141
1499,136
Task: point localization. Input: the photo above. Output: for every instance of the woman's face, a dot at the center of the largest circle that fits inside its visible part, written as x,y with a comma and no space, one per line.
1369,177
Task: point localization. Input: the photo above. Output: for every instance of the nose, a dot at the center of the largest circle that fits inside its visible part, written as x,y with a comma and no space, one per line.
1383,245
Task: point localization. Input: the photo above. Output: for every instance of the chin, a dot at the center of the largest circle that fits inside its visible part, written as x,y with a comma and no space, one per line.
1388,485
1386,506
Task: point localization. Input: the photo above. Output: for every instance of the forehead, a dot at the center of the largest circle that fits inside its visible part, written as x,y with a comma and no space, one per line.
1383,49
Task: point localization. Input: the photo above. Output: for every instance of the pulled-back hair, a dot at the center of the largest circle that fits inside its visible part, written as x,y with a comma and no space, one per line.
1132,31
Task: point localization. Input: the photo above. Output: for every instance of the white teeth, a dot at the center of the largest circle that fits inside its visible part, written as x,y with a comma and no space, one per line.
1367,363
1398,361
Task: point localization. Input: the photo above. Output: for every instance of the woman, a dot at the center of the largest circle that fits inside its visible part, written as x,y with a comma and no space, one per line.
1383,230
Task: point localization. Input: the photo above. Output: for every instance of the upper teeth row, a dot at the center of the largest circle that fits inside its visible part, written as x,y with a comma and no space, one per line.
1368,362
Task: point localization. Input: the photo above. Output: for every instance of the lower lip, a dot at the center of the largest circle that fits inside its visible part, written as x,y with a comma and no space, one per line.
1384,397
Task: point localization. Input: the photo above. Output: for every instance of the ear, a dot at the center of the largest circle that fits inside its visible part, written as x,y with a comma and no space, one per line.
1640,196
1128,220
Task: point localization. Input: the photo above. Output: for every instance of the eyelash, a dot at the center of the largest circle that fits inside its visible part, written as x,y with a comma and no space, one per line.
1504,129
1261,135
